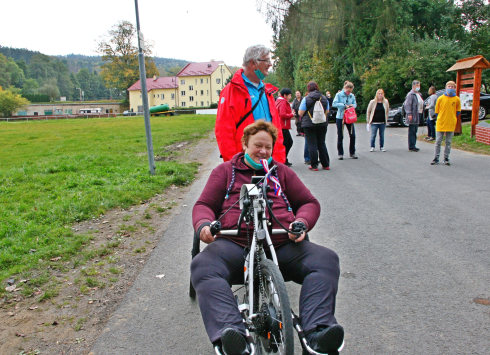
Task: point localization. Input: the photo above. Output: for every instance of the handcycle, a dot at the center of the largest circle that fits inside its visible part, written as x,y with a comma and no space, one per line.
268,318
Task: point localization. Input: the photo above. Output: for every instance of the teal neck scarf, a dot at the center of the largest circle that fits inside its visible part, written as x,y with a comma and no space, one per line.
253,164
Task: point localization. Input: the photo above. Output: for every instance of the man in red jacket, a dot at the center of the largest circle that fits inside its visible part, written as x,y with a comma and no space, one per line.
245,100
285,115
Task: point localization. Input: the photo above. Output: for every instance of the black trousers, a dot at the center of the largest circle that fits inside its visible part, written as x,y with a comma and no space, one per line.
220,265
317,148
340,137
288,141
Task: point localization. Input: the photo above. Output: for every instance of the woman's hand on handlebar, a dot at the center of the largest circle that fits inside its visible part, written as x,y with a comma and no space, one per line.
294,236
206,235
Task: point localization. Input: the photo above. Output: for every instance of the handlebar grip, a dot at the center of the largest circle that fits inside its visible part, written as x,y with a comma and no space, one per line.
298,227
215,227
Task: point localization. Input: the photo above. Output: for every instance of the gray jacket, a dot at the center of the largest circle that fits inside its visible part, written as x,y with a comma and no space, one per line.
432,105
412,106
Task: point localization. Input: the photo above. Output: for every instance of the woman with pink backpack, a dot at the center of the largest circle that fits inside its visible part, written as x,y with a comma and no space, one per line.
345,100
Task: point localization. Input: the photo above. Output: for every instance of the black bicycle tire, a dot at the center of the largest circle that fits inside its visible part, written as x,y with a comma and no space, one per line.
270,269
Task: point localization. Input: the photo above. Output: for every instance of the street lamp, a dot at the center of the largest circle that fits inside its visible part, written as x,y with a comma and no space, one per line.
221,69
80,93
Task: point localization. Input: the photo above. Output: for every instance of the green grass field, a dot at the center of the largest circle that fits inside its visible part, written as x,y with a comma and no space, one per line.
56,173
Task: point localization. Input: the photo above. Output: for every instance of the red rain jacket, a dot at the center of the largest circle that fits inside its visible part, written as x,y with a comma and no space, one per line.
234,103
285,112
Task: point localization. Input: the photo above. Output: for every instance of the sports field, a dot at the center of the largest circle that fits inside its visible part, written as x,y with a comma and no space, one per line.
55,173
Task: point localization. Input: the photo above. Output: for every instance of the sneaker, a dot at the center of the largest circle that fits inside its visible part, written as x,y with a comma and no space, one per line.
234,343
434,162
341,157
298,135
328,340
372,149
288,163
382,149
427,137
414,149
353,156
446,162
313,168
326,168
307,162
431,139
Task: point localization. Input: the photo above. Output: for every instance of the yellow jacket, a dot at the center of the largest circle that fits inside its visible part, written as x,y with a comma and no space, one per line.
446,108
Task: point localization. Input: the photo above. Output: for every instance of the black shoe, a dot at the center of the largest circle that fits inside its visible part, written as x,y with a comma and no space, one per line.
233,343
434,162
328,340
288,163
341,157
414,149
353,156
446,162
298,135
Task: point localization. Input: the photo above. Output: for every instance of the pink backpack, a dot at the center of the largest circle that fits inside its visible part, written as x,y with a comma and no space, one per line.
350,115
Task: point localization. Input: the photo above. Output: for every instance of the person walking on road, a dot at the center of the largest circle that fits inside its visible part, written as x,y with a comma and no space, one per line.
297,121
448,108
377,116
285,115
245,100
315,133
431,121
343,100
414,107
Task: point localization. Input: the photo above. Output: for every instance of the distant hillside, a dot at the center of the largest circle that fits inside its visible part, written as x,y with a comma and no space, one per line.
75,62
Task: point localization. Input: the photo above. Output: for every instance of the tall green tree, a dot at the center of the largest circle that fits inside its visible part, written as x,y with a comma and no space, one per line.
10,102
120,56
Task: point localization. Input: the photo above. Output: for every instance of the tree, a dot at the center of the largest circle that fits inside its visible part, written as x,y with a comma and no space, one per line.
120,56
30,87
10,73
10,102
51,89
40,67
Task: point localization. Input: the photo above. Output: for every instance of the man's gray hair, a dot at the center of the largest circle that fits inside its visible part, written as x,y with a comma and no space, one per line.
415,83
254,53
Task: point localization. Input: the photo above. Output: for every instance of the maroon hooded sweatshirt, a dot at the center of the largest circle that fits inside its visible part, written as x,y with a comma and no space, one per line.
212,203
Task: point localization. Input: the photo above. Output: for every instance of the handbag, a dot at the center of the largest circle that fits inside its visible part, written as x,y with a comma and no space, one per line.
350,115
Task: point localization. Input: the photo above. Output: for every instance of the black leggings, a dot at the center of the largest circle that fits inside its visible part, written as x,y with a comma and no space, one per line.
288,141
220,265
317,147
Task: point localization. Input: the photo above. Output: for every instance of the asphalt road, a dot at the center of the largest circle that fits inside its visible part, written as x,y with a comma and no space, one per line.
413,241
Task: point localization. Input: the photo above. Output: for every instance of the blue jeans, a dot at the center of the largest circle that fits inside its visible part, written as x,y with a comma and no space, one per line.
306,153
374,131
412,135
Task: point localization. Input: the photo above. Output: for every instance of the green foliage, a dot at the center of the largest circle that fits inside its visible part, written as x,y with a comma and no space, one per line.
10,102
56,173
120,56
10,73
50,89
36,97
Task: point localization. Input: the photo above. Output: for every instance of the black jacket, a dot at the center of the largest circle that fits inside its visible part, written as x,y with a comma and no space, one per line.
312,97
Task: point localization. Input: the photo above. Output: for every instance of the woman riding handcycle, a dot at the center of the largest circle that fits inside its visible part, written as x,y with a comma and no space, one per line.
221,263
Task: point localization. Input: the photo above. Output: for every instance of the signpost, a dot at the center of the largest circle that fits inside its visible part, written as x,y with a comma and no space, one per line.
468,86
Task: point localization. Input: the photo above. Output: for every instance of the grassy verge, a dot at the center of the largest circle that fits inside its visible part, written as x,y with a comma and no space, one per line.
464,142
55,173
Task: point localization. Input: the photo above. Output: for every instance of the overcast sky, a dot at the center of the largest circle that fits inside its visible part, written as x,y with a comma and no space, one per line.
193,30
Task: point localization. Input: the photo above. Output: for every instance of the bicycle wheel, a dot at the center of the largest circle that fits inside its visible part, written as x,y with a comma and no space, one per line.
273,325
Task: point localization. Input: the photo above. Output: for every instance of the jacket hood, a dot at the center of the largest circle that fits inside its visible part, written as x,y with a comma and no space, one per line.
237,161
238,81
315,94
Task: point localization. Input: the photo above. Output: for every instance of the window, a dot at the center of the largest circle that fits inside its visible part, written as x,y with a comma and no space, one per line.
202,81
182,104
202,104
182,93
191,98
196,81
207,80
191,87
163,96
196,92
202,92
208,103
173,96
182,82
218,81
207,93
140,96
218,92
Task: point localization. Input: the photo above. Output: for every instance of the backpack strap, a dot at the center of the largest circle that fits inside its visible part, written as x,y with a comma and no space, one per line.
252,110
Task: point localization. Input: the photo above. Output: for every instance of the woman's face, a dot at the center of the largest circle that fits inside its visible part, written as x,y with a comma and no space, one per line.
380,95
259,146
348,90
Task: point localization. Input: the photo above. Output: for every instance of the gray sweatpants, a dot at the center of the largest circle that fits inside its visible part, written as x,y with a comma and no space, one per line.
447,150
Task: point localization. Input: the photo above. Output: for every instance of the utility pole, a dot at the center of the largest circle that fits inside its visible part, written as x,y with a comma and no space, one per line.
144,92
79,89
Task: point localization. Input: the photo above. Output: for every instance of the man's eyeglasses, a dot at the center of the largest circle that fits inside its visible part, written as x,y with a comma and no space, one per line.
268,61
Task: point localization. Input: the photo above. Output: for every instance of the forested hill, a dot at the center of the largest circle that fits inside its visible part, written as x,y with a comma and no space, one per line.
75,62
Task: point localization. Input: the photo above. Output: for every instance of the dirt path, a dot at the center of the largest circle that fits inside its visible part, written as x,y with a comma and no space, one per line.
84,293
